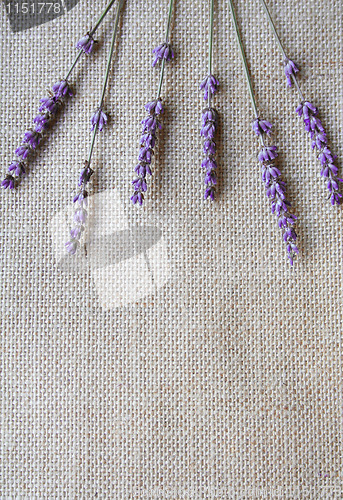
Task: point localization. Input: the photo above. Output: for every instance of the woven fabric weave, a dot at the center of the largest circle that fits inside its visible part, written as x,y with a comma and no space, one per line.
177,355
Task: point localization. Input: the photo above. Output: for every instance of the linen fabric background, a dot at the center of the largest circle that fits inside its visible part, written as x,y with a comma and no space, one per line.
177,355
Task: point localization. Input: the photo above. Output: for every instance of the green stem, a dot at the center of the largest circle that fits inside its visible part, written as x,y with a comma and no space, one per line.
101,18
169,20
161,79
277,38
270,20
97,24
210,49
244,59
167,40
110,55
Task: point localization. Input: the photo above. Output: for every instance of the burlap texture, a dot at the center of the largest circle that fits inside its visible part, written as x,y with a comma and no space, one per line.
196,364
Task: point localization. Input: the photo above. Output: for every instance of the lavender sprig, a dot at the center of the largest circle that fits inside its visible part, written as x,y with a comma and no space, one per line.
48,110
151,123
209,120
98,121
312,123
271,175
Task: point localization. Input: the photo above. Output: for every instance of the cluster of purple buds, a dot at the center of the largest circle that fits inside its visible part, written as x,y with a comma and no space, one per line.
47,111
290,69
150,124
209,85
314,127
275,188
209,123
86,43
80,215
163,51
99,119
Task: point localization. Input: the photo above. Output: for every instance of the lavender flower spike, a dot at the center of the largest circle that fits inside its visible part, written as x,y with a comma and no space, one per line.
98,120
271,175
275,190
209,85
49,107
151,123
312,124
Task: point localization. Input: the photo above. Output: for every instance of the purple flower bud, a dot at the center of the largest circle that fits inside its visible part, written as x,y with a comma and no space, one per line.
8,182
150,123
75,233
41,122
335,198
50,104
137,196
209,84
72,246
209,164
154,107
32,138
209,193
208,130
261,126
86,44
209,114
80,215
99,119
306,109
145,155
163,51
61,89
267,153
319,141
85,175
142,170
139,184
325,155
210,177
290,70
209,147
148,140
313,124
23,150
18,167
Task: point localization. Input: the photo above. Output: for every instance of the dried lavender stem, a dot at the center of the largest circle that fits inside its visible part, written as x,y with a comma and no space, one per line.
243,57
270,20
101,18
110,55
169,20
210,49
167,41
161,79
91,33
277,38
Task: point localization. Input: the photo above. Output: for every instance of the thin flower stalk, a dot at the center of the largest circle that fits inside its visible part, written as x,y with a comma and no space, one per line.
98,122
48,110
209,120
162,54
271,175
313,125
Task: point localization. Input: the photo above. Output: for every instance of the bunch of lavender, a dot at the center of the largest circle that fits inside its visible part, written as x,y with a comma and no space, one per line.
151,123
48,110
98,121
209,120
312,123
275,187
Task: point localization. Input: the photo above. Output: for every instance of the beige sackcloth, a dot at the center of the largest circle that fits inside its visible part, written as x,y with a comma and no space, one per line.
177,355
